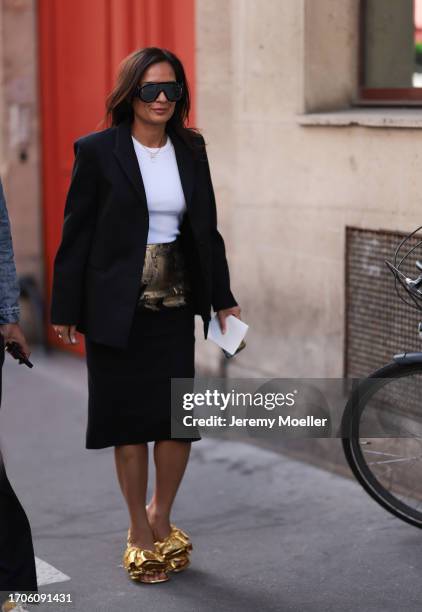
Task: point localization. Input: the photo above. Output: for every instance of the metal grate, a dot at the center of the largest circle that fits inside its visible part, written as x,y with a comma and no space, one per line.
378,323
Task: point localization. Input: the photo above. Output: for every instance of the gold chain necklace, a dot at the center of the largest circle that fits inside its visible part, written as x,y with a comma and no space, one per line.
152,154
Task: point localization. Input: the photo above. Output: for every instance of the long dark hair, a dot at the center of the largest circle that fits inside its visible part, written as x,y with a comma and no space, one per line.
119,101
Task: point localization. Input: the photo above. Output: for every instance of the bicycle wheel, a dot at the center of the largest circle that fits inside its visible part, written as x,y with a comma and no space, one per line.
382,438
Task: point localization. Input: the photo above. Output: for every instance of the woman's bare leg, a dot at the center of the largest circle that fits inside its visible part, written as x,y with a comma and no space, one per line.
171,458
132,472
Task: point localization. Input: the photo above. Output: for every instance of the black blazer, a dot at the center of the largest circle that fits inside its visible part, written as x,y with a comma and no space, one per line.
98,266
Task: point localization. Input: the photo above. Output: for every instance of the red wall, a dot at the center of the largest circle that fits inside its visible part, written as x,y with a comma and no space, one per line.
80,46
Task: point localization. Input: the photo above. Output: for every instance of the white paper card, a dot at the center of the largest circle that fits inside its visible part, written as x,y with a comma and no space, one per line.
235,332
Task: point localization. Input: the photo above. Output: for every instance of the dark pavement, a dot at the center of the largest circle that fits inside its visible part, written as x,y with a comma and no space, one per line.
269,532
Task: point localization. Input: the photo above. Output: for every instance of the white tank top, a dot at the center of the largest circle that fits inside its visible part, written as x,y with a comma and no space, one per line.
163,188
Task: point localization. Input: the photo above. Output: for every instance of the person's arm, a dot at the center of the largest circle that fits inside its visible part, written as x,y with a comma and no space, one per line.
9,288
222,298
79,222
9,285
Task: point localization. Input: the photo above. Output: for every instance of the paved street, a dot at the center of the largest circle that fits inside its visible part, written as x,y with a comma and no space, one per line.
269,532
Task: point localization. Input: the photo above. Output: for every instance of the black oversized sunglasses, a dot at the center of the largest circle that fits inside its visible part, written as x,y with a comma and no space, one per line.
149,92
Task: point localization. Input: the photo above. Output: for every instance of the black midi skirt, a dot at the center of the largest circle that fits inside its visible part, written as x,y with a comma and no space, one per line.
130,389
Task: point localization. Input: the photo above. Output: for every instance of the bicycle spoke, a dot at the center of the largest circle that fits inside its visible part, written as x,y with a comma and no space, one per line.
394,460
380,453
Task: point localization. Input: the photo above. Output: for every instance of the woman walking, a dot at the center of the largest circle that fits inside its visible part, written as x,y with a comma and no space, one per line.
140,255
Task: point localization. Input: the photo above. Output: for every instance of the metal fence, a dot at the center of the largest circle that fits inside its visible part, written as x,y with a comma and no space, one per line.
378,324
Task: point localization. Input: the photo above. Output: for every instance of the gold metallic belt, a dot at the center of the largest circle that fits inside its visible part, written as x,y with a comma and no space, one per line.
165,281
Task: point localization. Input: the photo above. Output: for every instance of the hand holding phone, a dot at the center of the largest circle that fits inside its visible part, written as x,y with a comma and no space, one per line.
14,349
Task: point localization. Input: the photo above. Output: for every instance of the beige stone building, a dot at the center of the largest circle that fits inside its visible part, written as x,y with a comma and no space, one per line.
295,161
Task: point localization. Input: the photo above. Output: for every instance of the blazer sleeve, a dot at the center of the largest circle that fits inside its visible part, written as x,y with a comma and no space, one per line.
78,227
9,284
221,297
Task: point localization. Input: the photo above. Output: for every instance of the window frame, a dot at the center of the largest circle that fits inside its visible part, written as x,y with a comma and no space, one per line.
381,96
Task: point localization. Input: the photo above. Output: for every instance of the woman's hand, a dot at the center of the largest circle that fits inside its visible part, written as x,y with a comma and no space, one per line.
66,333
223,314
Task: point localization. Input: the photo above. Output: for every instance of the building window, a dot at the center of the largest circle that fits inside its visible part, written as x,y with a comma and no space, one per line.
391,52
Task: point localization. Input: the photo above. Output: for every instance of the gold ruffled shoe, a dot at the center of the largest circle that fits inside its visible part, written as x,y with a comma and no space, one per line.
8,606
140,562
175,549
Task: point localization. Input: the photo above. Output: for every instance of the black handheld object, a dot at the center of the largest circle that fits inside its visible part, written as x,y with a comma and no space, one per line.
15,350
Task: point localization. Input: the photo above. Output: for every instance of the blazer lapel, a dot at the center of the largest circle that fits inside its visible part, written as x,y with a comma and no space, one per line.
186,165
125,153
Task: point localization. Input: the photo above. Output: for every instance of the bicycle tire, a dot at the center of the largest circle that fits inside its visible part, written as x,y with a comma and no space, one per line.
350,440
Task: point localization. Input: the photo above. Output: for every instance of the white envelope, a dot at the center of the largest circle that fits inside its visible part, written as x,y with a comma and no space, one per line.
235,332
